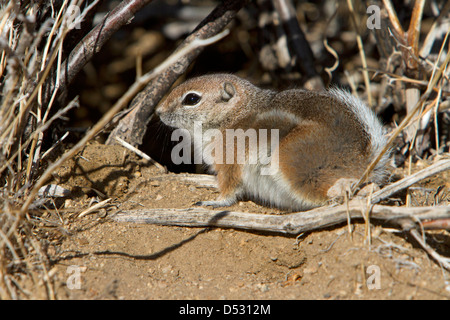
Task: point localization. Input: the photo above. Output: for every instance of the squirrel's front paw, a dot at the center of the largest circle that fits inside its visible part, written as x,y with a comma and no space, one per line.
217,203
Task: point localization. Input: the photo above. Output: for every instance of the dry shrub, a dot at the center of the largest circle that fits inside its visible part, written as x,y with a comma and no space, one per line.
32,34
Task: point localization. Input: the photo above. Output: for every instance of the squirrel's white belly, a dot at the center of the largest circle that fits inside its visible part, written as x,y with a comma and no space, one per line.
271,189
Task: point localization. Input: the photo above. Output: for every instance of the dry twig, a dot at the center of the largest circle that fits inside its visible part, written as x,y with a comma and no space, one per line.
141,154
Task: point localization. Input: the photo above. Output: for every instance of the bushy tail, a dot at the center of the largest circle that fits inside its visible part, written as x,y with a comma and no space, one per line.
373,128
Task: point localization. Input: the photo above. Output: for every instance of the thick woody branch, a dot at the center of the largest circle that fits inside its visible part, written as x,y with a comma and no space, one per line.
298,222
96,38
293,223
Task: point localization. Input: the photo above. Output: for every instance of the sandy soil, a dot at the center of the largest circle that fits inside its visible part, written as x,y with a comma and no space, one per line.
97,258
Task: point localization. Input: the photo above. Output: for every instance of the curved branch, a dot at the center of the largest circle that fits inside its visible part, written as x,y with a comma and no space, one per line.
96,38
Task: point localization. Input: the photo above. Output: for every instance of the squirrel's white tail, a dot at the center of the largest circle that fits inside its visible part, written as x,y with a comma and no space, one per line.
373,128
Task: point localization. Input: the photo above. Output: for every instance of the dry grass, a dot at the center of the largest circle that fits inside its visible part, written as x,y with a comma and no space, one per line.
32,37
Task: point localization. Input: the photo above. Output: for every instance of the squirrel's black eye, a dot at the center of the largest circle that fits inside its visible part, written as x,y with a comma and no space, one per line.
191,99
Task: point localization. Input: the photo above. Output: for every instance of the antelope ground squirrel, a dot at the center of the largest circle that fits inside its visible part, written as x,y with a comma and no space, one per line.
321,138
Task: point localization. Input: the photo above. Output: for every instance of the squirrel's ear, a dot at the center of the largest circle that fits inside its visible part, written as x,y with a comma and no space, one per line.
228,91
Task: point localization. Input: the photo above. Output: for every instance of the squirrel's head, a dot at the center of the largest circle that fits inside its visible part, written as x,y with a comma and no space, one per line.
213,100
